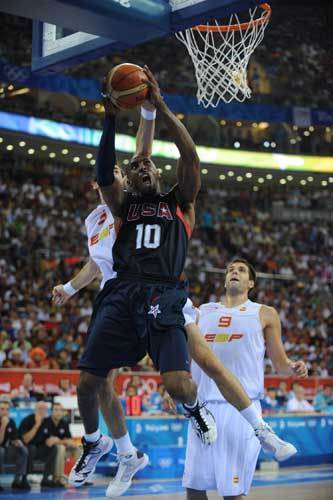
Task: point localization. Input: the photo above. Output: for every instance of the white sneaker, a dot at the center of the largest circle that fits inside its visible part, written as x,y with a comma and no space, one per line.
203,422
86,464
128,466
271,443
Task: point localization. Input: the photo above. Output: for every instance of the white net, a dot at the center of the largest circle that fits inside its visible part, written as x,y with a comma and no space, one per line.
221,54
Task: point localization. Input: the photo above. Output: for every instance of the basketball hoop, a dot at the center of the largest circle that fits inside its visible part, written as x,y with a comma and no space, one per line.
220,55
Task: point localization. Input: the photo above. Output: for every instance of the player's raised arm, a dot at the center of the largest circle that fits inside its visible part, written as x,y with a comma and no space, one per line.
111,186
188,171
146,130
62,293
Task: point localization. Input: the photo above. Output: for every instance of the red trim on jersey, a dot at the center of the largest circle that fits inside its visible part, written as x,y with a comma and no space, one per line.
181,216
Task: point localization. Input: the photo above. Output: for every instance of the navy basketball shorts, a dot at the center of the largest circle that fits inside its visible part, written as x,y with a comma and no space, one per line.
132,318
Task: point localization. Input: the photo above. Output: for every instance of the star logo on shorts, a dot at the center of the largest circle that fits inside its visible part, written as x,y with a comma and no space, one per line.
155,310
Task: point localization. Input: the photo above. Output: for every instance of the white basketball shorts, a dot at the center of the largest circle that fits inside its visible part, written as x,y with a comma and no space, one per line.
228,464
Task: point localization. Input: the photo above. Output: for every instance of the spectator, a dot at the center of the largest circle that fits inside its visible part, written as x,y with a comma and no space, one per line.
37,358
282,394
323,400
298,403
66,388
28,391
57,430
33,433
12,450
270,402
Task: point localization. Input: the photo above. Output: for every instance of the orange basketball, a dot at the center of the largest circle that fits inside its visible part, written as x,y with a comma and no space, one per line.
127,85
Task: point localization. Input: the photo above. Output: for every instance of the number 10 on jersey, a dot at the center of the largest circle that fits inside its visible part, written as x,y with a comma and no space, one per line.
148,236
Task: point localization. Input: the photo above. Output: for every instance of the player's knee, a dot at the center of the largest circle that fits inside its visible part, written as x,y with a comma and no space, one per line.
88,383
178,385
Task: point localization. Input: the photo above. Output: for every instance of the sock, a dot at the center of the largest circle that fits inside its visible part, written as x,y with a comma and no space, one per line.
124,445
192,406
91,438
252,415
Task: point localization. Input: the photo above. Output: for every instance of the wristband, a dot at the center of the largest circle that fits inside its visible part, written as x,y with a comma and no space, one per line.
69,289
147,114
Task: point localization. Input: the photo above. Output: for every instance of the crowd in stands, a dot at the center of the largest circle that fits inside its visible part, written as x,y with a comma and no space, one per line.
285,66
286,69
43,243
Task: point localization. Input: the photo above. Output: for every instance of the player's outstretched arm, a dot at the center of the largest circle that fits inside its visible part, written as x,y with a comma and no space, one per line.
146,130
188,171
272,330
62,293
110,185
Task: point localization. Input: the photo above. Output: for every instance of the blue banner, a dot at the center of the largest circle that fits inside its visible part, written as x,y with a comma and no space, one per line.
90,89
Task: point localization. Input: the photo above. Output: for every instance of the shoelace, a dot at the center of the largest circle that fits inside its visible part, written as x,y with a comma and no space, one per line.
199,418
86,451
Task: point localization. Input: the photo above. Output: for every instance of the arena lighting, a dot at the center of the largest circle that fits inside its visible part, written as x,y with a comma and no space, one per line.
255,188
330,179
22,144
239,124
231,173
65,151
180,116
306,133
327,129
283,181
237,144
24,90
168,151
52,155
2,90
292,141
167,167
263,125
248,175
126,161
76,159
10,147
261,180
273,144
311,128
204,171
92,162
324,183
10,87
239,178
31,151
159,170
303,182
83,103
266,144
269,176
254,125
1,139
222,177
44,147
97,105
295,127
130,124
310,179
289,177
89,156
223,122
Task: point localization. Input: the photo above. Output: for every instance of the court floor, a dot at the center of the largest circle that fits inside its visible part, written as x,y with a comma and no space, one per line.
308,483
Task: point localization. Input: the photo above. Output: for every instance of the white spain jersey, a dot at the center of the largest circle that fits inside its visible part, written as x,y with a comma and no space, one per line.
236,336
101,237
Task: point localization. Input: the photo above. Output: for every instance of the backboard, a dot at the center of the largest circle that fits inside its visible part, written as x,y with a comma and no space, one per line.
69,32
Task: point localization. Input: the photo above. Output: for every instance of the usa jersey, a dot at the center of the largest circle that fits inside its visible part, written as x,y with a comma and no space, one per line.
153,237
235,335
101,236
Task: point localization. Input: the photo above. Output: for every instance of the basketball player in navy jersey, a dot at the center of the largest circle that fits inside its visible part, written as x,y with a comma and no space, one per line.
141,310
